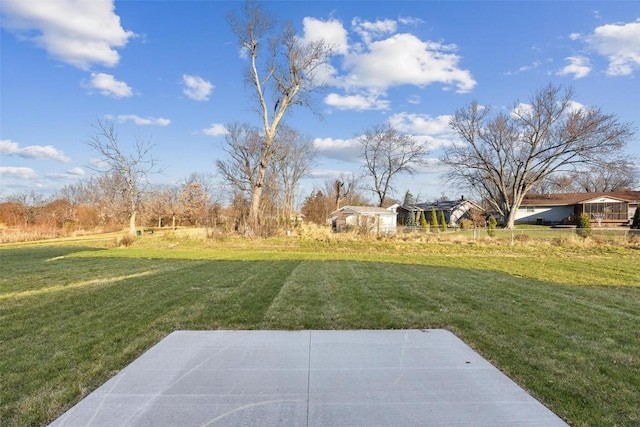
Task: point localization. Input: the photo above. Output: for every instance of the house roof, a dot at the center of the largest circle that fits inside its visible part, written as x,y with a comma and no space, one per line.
441,205
576,198
363,210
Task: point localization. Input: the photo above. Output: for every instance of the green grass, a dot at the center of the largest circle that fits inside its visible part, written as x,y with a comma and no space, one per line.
563,322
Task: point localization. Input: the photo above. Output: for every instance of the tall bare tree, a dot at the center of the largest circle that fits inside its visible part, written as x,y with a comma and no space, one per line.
129,168
281,71
503,157
388,152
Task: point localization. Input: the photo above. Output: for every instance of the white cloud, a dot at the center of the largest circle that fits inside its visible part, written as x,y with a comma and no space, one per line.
196,87
356,102
141,121
216,129
107,85
620,43
369,31
578,67
331,31
409,20
329,173
347,150
382,59
18,172
434,132
575,106
404,59
522,110
414,99
10,148
77,32
74,173
575,36
421,124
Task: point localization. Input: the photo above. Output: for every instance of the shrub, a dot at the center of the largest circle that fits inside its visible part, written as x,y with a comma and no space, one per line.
423,220
434,220
125,240
584,225
410,221
443,221
492,224
635,224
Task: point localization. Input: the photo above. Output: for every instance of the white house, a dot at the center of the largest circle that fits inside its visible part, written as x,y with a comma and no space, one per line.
375,220
610,208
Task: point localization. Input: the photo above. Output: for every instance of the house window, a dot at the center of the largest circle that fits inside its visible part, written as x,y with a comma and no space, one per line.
613,211
531,208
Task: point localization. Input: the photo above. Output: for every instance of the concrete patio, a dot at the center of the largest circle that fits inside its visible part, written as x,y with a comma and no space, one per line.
310,378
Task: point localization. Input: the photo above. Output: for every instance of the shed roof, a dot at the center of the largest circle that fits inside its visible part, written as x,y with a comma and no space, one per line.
363,210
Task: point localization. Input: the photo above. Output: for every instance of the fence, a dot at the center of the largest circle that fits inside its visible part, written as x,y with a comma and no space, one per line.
534,233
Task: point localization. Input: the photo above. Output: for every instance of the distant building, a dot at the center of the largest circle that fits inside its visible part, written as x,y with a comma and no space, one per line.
454,211
609,208
373,219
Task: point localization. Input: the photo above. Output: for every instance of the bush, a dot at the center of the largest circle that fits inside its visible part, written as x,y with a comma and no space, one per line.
434,220
466,224
423,220
584,225
492,224
125,241
635,224
443,221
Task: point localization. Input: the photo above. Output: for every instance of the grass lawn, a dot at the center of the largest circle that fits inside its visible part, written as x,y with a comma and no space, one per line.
562,321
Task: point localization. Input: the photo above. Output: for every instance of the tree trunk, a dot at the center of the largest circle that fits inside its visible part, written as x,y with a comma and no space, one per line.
511,219
132,223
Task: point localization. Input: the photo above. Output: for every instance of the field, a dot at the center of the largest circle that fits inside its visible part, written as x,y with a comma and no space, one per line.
561,319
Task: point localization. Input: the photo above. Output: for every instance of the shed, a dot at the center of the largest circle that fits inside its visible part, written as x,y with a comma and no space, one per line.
373,219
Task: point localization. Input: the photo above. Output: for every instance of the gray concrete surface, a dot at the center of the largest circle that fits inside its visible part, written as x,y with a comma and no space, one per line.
310,378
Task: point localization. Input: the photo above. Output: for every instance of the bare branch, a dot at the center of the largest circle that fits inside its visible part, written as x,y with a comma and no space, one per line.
387,153
131,169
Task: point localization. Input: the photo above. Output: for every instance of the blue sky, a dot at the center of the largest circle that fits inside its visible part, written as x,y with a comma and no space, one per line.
171,72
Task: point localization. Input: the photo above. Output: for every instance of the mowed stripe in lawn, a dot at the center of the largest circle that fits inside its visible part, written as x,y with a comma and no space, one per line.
574,347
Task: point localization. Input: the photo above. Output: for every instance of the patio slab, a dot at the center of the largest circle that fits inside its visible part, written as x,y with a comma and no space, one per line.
310,378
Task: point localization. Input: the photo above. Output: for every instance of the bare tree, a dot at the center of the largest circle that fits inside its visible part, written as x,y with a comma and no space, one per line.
129,168
617,175
30,204
194,202
387,153
340,192
345,190
240,170
285,76
505,156
294,158
606,176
